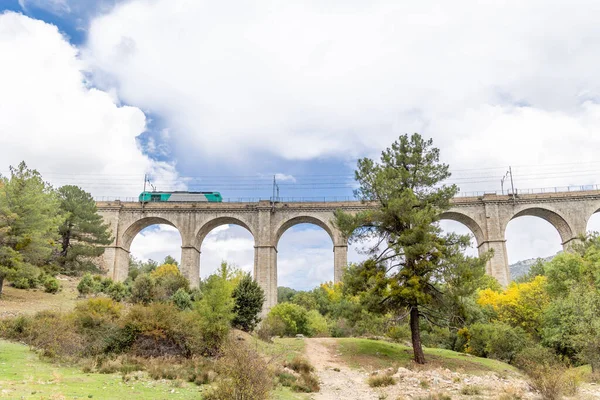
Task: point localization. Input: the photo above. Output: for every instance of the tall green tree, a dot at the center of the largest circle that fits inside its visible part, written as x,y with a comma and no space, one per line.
248,301
29,215
426,269
83,232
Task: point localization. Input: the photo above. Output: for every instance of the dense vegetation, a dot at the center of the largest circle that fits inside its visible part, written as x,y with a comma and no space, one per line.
44,231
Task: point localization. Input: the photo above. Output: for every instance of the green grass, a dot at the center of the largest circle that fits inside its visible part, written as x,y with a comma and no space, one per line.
379,354
24,376
284,393
283,349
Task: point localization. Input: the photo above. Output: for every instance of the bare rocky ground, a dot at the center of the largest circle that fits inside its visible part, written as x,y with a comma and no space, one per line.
338,381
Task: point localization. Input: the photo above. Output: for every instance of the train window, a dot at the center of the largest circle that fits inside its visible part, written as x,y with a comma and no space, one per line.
155,197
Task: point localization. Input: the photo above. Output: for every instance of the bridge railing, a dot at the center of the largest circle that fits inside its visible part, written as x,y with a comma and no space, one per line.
331,199
554,189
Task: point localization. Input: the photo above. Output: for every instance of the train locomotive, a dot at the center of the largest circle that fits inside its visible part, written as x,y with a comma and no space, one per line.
151,197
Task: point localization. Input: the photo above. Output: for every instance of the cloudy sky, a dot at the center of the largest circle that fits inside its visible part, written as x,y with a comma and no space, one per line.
224,95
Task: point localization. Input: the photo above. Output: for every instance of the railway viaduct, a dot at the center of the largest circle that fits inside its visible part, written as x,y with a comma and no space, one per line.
486,216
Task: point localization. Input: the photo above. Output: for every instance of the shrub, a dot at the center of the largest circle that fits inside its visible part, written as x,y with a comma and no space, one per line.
95,312
381,380
117,291
155,330
470,390
244,375
306,383
498,341
269,327
248,301
547,374
165,270
182,299
340,328
300,364
55,334
143,289
317,324
104,283
22,283
293,316
168,285
87,285
51,285
399,333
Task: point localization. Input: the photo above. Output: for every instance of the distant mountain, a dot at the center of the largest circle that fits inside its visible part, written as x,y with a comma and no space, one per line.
522,267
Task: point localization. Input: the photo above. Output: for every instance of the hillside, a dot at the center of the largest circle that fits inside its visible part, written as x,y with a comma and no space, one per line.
522,267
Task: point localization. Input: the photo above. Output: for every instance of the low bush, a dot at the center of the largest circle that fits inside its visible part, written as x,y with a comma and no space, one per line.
470,390
306,383
156,330
243,374
547,374
269,327
117,291
381,380
143,289
182,299
398,333
22,283
300,365
51,285
88,285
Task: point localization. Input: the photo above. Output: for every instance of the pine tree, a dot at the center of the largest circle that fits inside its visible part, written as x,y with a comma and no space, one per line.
249,298
83,232
29,215
425,268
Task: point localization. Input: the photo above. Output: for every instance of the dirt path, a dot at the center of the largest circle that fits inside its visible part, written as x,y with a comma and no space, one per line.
341,382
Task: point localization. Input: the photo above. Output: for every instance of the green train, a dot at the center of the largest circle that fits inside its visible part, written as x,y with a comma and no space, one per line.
213,197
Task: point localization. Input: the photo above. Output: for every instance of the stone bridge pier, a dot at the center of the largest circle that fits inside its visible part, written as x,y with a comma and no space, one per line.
486,216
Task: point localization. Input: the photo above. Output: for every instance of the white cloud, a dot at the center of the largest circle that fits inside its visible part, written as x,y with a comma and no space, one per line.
54,6
285,178
493,82
156,242
51,118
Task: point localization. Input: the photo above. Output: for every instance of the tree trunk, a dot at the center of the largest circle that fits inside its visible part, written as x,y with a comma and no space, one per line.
66,239
1,283
416,335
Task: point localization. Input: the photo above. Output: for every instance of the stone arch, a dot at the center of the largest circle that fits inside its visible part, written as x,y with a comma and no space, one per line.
554,218
595,210
307,219
466,221
136,227
208,226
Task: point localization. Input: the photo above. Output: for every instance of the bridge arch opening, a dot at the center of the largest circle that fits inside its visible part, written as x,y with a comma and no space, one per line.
531,234
462,224
151,240
593,223
305,256
225,239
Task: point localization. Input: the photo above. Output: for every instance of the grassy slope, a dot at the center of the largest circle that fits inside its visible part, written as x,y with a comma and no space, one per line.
24,376
379,354
18,301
